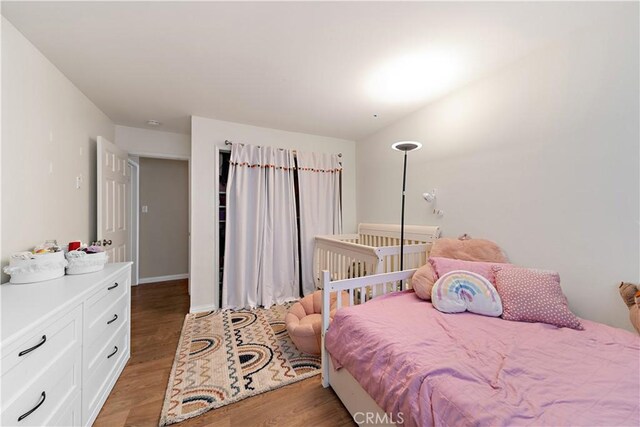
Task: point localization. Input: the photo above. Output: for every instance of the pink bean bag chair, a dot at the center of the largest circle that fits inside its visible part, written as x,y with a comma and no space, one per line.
304,320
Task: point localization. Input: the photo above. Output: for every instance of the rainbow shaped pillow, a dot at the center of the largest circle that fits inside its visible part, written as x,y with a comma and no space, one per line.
459,291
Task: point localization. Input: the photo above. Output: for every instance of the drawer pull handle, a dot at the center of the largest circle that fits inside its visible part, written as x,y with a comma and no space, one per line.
115,317
112,287
43,396
115,350
30,349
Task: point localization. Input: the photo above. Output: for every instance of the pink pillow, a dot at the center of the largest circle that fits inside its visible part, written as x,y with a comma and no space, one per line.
530,295
425,277
468,250
442,266
462,249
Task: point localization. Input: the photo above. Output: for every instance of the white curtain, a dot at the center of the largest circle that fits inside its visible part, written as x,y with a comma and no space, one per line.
261,256
320,206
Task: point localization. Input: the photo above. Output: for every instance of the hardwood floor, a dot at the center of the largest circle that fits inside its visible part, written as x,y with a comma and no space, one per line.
157,314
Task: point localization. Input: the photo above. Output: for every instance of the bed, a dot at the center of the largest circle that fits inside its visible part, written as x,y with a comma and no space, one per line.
374,249
407,363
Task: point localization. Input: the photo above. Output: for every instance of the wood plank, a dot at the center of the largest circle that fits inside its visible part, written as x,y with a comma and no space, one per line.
157,314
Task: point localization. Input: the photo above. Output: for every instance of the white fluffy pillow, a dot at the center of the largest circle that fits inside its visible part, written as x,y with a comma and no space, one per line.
459,291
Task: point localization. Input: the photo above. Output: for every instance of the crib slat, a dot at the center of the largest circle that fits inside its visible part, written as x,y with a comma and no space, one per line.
334,264
344,267
351,297
326,260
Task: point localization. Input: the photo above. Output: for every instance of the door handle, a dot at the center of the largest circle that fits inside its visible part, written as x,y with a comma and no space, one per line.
106,242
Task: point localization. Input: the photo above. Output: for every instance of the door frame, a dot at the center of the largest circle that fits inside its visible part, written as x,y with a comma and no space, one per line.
187,159
134,219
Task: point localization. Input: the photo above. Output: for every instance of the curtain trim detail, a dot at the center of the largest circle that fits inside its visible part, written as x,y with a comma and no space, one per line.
249,165
336,170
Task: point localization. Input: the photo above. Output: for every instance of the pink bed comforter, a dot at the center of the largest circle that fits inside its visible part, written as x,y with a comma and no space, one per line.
465,369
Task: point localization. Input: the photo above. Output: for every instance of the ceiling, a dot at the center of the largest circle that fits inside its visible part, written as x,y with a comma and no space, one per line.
310,67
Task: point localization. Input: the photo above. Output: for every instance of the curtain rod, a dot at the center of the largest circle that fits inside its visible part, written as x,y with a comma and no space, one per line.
227,142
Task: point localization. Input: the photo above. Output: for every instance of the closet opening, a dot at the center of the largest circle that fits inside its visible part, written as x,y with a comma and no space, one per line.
224,157
223,198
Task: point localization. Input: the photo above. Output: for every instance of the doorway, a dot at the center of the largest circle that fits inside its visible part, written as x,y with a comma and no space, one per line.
160,222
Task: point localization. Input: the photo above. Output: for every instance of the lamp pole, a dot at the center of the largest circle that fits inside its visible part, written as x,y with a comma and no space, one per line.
404,185
404,146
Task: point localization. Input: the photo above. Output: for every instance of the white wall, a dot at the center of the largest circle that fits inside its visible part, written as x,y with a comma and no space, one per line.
49,129
206,135
153,143
542,157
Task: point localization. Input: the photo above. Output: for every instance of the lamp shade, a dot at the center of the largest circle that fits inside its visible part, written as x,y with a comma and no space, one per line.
406,146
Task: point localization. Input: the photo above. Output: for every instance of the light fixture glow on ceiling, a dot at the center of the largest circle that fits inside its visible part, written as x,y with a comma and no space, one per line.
414,77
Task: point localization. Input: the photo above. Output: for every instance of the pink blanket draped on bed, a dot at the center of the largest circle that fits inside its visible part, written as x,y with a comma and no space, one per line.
466,369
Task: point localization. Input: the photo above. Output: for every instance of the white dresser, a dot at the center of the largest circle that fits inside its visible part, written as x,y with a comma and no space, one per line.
63,343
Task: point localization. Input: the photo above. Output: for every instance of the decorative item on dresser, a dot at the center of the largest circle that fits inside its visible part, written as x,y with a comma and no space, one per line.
64,343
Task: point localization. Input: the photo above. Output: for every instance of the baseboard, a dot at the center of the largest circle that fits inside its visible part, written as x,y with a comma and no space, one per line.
202,308
144,280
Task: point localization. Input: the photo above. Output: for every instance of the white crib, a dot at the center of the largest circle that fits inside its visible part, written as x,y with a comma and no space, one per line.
374,250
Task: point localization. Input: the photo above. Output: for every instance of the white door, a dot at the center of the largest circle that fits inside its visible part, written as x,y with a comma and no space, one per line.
113,200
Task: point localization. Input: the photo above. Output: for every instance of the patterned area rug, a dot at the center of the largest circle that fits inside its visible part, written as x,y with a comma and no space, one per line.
226,356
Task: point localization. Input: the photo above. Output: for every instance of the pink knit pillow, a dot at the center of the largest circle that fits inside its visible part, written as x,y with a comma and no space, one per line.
530,295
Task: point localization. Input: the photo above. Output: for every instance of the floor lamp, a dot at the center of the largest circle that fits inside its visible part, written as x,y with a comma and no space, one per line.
404,146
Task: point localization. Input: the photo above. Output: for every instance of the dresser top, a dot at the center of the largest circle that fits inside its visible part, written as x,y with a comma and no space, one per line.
23,306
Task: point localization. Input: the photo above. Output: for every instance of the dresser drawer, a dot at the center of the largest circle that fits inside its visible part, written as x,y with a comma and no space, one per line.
25,361
101,371
69,415
101,327
109,293
45,399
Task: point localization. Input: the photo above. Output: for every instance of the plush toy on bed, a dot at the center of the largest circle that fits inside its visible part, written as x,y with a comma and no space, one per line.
631,296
